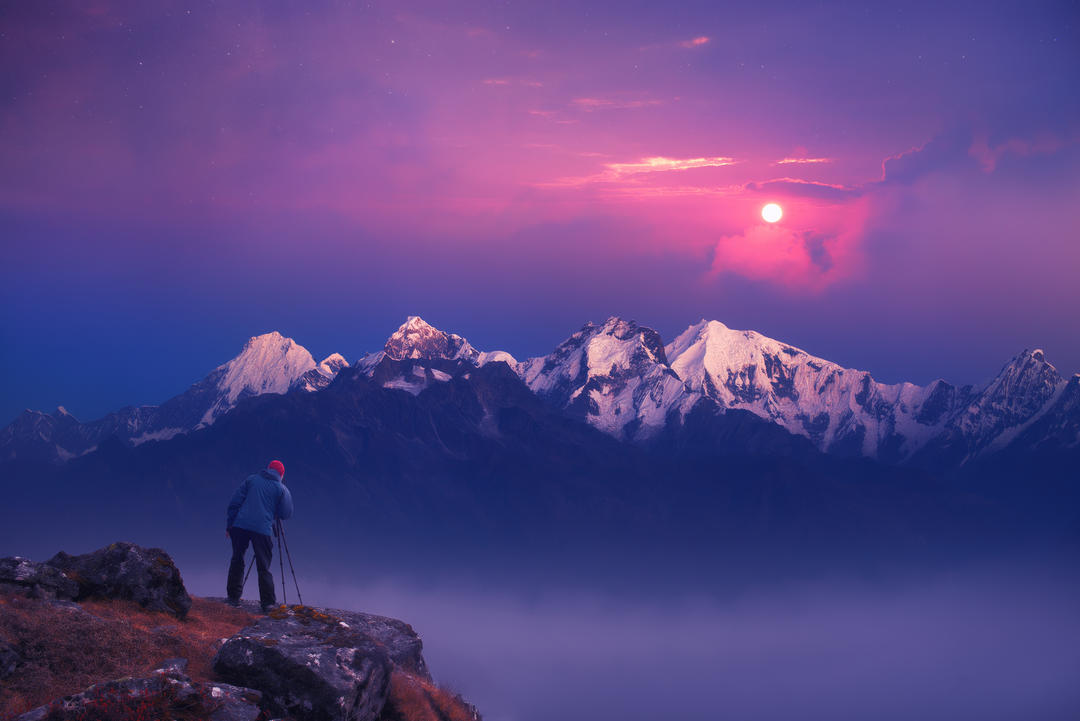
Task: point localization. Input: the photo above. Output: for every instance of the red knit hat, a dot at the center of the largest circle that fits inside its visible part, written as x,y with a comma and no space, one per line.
277,466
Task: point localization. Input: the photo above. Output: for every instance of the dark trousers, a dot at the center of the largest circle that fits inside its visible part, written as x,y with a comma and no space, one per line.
263,546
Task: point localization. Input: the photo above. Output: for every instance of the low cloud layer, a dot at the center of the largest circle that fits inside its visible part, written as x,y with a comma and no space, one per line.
990,645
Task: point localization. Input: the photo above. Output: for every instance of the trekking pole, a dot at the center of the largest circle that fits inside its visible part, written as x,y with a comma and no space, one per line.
281,564
281,530
248,574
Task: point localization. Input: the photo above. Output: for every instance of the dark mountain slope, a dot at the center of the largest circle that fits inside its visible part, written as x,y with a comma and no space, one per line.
475,466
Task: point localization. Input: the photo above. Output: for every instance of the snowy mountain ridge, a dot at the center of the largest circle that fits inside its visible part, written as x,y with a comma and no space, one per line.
615,375
839,409
416,339
621,378
267,363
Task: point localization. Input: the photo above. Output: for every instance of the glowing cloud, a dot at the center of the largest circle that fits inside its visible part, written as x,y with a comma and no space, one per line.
811,258
695,42
614,172
660,164
802,161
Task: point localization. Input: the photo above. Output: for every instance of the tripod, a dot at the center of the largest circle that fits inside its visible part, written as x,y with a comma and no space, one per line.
280,533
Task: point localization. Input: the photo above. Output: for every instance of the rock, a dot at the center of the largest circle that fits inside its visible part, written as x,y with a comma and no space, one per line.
8,660
402,643
174,665
36,580
147,576
309,665
166,694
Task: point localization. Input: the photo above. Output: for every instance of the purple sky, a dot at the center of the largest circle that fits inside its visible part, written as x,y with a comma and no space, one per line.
175,177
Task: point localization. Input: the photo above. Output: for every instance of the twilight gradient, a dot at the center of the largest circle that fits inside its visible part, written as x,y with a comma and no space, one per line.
175,177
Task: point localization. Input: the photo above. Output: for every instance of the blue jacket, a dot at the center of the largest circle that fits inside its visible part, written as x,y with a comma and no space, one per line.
258,502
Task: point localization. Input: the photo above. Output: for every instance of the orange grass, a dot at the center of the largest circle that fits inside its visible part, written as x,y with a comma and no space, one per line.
65,651
416,699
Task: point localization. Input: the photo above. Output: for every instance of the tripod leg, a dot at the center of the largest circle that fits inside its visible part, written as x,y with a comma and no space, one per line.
281,531
281,565
250,566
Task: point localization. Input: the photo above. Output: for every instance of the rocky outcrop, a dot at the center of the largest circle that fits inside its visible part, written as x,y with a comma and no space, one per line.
126,571
310,665
168,693
297,662
35,580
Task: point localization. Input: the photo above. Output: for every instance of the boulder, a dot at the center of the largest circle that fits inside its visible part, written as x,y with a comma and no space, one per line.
36,580
8,660
309,665
147,576
168,693
401,642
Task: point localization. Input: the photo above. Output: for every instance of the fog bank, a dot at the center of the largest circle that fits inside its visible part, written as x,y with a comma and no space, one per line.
990,643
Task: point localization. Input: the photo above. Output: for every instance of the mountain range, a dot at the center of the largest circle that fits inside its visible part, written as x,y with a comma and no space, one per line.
613,450
622,379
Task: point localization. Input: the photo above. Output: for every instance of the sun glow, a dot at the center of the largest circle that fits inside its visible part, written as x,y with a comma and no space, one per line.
772,213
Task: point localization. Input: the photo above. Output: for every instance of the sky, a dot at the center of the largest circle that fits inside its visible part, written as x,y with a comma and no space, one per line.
176,177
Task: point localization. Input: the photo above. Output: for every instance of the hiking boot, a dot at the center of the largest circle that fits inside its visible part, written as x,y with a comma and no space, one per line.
235,603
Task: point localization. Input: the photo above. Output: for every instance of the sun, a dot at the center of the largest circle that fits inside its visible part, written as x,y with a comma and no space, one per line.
772,213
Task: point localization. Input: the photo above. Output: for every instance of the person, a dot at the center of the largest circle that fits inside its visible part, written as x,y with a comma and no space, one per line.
253,514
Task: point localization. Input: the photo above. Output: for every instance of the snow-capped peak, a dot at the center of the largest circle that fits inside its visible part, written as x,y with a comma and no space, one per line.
615,374
268,363
709,351
416,338
1024,386
838,408
1028,371
321,375
332,364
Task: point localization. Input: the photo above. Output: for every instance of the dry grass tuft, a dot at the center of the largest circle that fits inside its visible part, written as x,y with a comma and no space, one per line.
416,699
66,649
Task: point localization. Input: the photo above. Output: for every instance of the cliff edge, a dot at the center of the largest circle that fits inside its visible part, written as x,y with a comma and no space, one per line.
114,635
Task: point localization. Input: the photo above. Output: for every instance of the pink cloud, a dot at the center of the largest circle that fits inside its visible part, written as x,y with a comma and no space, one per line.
802,161
615,172
695,42
662,164
811,249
